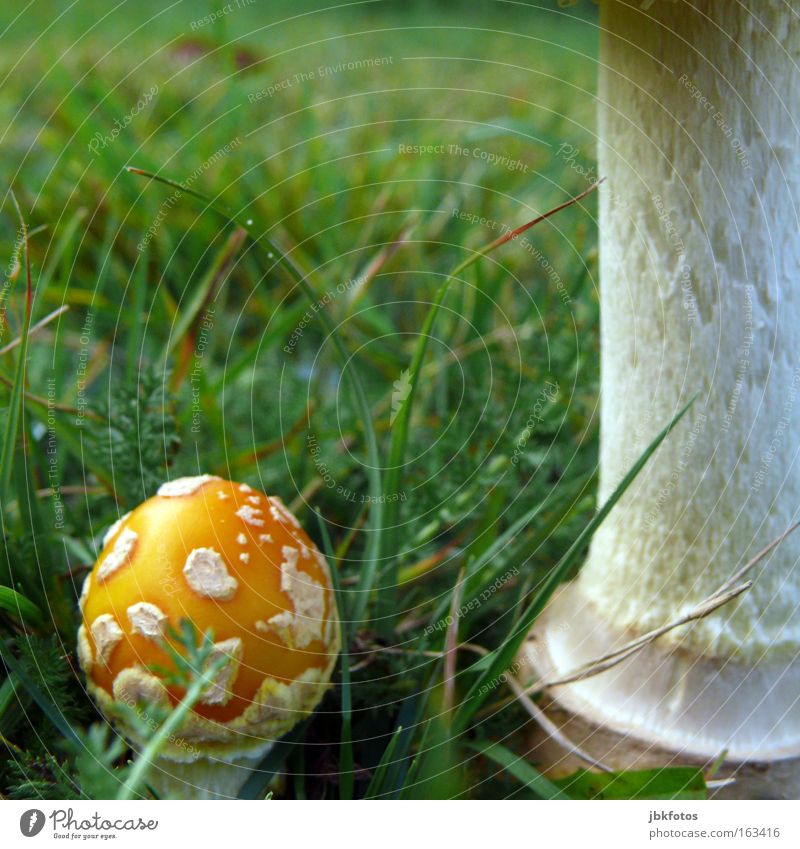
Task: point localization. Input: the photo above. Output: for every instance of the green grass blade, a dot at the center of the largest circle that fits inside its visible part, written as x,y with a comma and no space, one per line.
346,758
220,266
519,768
410,718
47,707
16,400
399,439
411,777
8,697
680,782
503,656
481,571
272,763
168,728
375,787
137,328
103,264
13,602
280,259
63,251
279,326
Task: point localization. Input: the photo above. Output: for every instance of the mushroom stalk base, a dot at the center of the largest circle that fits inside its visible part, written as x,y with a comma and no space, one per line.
202,778
665,705
752,780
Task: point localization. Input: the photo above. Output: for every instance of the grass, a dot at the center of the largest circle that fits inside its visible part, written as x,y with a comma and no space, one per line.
362,153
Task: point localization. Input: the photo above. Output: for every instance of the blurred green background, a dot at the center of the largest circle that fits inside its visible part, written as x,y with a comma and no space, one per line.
377,142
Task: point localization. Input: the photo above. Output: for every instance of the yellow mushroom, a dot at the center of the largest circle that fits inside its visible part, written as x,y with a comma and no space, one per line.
231,560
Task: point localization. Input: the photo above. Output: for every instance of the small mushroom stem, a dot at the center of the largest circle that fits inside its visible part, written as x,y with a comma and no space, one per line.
201,778
699,267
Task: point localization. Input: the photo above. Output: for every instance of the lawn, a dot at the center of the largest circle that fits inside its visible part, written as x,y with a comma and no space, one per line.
367,150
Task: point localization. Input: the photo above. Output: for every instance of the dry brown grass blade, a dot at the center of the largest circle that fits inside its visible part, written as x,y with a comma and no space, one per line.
451,645
737,576
727,592
36,327
608,661
550,728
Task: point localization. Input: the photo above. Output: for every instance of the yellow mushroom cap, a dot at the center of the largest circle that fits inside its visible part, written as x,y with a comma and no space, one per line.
230,559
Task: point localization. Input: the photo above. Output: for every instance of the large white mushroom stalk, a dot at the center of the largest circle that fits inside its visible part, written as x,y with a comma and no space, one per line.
699,113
